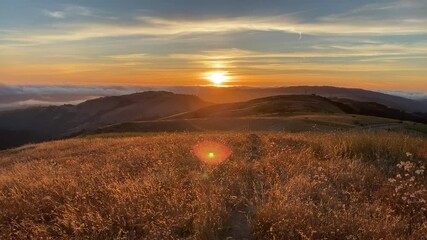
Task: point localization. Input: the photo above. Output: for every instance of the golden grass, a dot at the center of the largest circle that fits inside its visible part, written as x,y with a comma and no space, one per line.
285,186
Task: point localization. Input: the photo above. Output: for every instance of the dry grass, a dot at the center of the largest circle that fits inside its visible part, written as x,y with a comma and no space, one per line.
287,186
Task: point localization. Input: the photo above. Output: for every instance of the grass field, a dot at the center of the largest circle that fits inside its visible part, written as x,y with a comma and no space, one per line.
342,185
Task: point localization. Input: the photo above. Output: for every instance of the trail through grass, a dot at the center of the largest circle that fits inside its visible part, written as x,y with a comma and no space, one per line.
342,185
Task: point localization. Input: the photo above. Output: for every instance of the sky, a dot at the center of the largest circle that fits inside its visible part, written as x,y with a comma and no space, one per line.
264,43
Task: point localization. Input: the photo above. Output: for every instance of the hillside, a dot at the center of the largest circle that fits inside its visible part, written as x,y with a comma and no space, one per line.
290,113
286,105
62,121
273,185
290,124
27,95
379,110
45,123
269,106
239,94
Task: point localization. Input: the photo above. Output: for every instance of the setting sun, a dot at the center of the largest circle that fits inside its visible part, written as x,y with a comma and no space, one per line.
217,78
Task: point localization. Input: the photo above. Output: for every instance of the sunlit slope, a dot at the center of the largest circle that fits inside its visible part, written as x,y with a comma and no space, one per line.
281,105
290,113
292,123
273,185
286,105
236,94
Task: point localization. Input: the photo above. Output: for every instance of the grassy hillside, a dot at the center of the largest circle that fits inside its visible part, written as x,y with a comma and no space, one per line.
237,94
286,105
349,185
269,106
293,123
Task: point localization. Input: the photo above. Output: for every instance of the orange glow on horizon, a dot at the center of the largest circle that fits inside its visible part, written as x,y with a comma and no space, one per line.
99,74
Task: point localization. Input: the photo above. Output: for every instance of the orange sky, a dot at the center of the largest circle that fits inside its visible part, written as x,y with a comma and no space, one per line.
98,74
366,44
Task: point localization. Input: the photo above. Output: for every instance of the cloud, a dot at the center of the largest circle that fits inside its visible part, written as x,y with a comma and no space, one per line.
128,57
54,14
410,95
371,19
84,90
36,103
70,11
155,46
21,96
79,10
363,51
68,89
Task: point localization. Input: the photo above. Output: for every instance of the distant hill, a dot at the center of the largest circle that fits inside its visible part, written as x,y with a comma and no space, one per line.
379,110
237,94
269,106
300,104
288,113
43,123
24,96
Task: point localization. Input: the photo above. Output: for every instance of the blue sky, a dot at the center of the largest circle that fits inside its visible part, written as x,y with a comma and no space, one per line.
369,44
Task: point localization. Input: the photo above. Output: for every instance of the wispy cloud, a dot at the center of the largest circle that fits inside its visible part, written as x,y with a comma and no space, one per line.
54,14
128,57
70,11
328,51
79,10
69,89
411,95
79,44
360,21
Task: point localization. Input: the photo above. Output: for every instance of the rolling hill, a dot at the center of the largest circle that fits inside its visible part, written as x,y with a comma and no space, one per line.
285,105
269,106
166,111
62,121
290,113
239,94
26,95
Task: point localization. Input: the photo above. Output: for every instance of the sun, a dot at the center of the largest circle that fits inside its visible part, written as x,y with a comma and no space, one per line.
217,78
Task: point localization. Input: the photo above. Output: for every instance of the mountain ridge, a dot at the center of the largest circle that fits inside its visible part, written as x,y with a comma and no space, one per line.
21,97
236,94
283,105
53,122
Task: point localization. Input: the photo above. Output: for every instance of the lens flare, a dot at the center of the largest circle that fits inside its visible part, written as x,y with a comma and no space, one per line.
211,152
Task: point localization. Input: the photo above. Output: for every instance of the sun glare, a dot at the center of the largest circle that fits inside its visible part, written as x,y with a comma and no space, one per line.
217,78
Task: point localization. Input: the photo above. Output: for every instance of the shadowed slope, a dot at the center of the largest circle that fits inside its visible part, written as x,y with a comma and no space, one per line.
62,121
